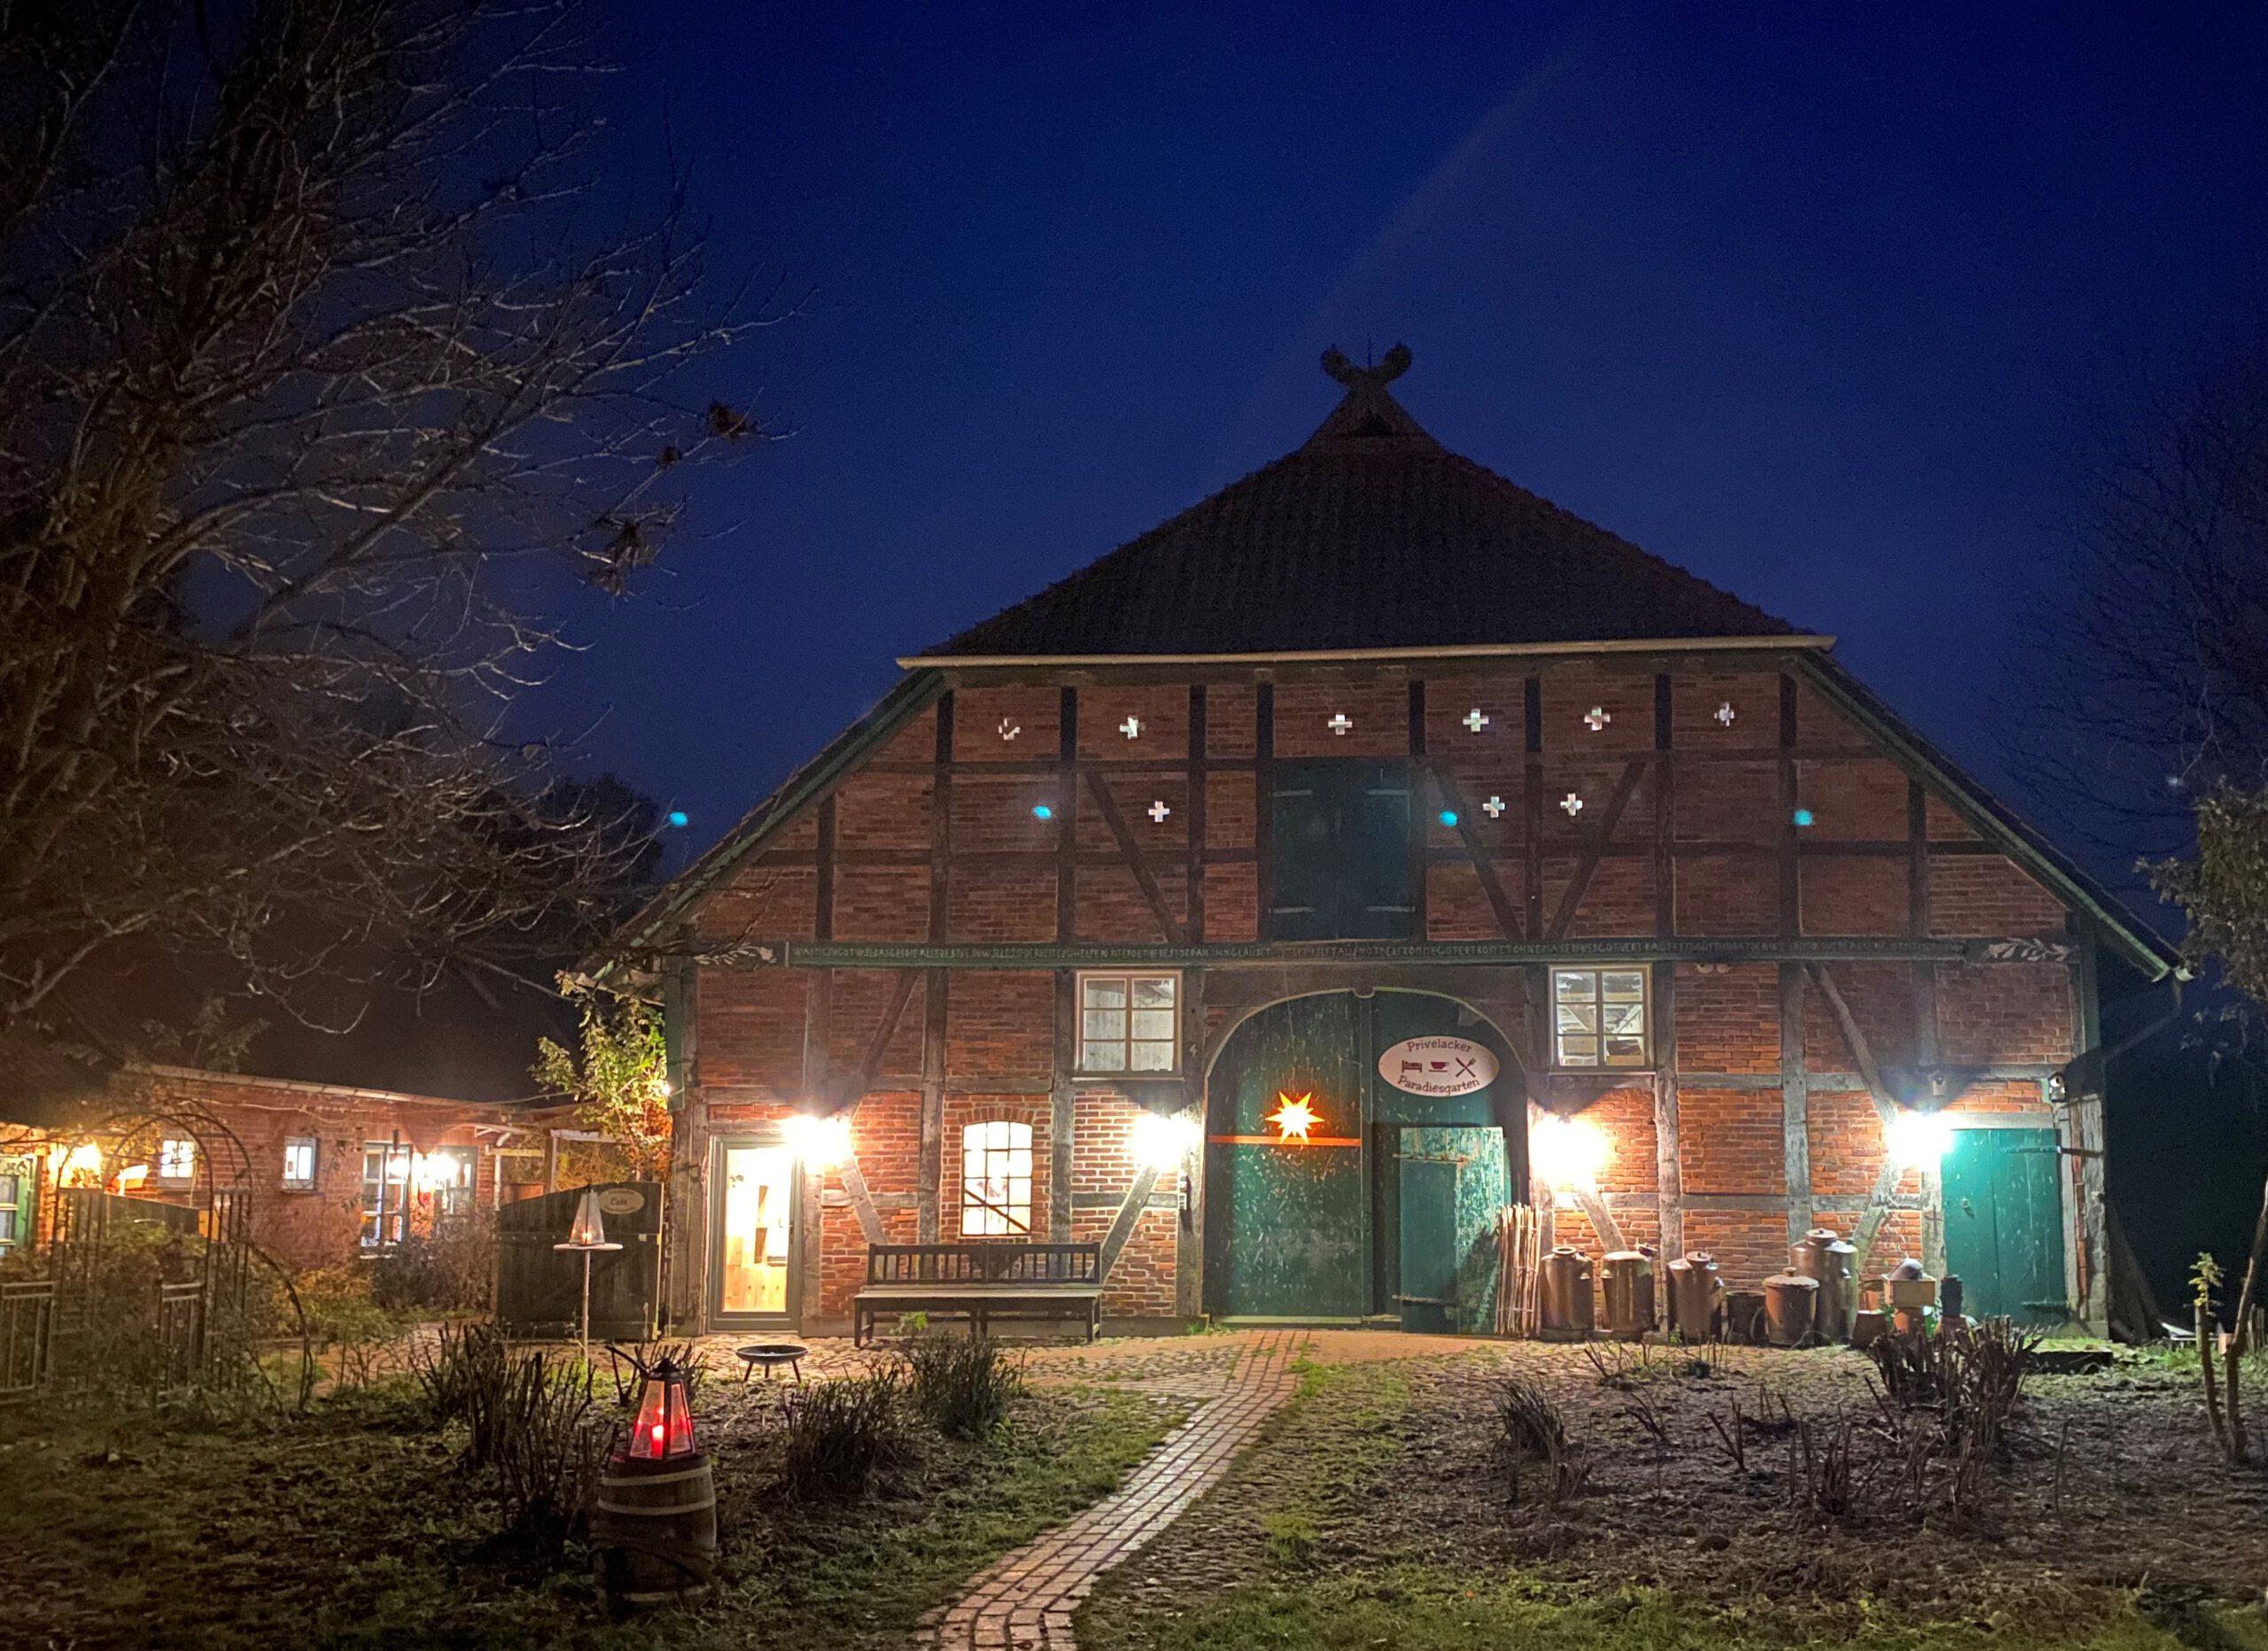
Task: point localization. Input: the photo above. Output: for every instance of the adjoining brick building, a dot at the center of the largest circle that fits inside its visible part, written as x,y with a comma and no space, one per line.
324,1171
1367,847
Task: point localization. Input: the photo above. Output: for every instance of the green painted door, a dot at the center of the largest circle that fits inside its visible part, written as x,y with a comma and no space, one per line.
1451,1182
2004,1223
1397,1197
1286,1227
1342,867
1427,1254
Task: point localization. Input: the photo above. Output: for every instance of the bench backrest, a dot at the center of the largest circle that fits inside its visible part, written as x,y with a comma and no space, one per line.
1004,1263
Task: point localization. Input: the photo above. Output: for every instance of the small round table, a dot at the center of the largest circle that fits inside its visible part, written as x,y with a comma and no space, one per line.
770,1355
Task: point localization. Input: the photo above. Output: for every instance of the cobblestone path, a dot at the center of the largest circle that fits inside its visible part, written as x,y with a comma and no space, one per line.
1024,1600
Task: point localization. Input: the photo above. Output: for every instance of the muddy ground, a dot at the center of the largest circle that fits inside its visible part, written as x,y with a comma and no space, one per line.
2112,1482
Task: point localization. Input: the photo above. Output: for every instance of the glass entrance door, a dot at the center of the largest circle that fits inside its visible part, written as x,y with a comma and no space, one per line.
753,1232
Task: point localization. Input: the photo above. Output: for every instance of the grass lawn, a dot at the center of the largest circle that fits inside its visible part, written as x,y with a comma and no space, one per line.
1447,1610
354,1526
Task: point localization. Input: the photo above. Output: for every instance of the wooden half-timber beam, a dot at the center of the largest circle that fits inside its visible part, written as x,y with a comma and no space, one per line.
1594,847
1669,1163
1532,805
1193,815
1130,851
930,1165
1886,1178
1419,854
807,954
1129,1217
1476,852
1795,1103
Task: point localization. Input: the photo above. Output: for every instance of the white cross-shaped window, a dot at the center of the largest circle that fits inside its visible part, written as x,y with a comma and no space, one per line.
1476,719
1339,723
1010,728
1573,804
1725,713
1597,717
1158,811
1494,808
1130,728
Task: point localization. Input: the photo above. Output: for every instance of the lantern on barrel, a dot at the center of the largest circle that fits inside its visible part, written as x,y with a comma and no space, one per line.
654,1528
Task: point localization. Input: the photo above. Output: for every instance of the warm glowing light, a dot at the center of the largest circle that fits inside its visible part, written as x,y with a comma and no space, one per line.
133,1176
77,1166
1566,1153
821,1142
665,1424
1920,1140
589,1231
1161,1142
1295,1117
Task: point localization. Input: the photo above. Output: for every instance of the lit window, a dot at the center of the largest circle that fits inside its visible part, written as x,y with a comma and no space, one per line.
12,1208
177,1159
299,1164
996,1179
449,1171
386,1194
1129,1023
1599,1017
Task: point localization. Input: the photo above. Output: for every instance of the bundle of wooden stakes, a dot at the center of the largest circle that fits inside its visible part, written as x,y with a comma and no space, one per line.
1519,1251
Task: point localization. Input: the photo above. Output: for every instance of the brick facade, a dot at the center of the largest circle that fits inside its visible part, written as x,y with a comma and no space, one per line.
241,1125
1724,797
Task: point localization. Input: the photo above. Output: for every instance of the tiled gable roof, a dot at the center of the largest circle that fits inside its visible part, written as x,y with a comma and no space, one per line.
1370,535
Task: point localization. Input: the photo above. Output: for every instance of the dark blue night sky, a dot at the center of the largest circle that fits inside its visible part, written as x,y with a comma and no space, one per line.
1817,302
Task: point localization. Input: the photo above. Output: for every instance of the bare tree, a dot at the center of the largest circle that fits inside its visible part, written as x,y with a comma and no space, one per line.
2148,676
2146,680
311,371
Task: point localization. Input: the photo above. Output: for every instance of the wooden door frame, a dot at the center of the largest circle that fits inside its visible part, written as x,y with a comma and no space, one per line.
758,1136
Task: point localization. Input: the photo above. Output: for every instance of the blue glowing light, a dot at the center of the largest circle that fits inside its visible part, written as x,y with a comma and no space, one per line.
679,820
1802,817
1449,817
1041,810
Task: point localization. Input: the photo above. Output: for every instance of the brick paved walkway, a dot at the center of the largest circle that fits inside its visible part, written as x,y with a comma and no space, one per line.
1025,1600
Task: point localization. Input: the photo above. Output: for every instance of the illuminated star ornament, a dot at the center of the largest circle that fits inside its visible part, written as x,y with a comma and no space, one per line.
1296,1116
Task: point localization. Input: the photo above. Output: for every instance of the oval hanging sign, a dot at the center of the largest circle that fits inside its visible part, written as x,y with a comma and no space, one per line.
1438,1066
622,1200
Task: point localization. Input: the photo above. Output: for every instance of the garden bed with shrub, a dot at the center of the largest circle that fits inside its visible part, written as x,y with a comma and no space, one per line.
438,1508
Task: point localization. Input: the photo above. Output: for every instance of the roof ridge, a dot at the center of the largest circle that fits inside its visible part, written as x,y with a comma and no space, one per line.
1370,533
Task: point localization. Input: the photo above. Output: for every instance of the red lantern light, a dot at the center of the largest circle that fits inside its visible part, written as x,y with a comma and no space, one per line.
663,1429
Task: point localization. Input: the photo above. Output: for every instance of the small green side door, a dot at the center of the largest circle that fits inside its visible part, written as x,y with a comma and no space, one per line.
1427,1253
2004,1223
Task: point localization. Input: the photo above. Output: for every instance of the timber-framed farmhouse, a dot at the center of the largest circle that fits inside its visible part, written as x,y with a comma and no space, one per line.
1370,847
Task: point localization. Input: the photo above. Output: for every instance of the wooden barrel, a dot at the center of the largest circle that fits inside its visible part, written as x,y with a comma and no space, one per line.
653,1530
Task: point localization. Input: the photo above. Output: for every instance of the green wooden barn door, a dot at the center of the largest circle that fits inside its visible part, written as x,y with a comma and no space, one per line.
1449,1184
1341,866
1426,1186
2004,1223
1286,1228
1394,1213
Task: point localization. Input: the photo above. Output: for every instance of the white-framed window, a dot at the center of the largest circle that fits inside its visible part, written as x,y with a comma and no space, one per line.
1598,1018
299,1163
1129,1023
177,1159
386,1194
996,1179
15,1177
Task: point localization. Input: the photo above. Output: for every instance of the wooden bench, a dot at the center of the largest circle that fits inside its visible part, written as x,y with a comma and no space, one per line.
981,1281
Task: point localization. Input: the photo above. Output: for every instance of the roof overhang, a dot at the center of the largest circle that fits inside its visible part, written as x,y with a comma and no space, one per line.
1339,655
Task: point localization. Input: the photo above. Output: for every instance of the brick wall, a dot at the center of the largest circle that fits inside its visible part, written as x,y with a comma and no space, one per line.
1730,820
300,1228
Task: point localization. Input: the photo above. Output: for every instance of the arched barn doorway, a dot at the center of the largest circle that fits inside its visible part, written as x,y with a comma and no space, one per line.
1357,1151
